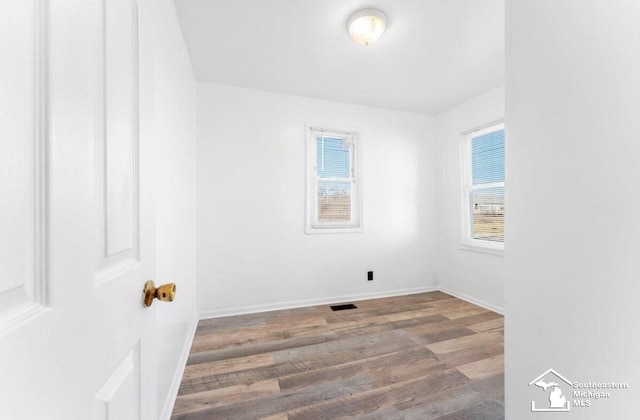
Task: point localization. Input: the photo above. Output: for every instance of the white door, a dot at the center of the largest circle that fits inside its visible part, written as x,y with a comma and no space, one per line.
76,341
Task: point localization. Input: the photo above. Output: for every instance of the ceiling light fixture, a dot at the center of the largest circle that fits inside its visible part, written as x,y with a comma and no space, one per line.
365,26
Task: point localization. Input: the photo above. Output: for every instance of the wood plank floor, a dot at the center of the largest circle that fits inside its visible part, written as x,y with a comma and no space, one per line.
423,356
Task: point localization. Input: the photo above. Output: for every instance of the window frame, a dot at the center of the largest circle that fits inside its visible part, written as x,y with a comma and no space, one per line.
468,242
312,225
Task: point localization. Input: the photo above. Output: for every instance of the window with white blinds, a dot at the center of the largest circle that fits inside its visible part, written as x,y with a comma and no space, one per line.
484,187
333,193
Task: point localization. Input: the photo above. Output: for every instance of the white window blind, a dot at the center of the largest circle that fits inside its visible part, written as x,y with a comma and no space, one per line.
333,183
485,188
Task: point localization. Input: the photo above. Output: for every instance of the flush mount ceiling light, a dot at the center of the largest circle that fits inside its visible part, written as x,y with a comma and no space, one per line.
365,26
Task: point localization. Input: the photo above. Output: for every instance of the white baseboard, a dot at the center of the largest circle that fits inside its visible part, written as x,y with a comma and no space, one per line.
218,313
177,376
470,299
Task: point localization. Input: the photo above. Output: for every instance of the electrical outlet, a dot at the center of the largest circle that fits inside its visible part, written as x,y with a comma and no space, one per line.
369,275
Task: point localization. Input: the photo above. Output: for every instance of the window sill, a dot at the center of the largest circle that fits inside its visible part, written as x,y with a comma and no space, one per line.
328,230
482,249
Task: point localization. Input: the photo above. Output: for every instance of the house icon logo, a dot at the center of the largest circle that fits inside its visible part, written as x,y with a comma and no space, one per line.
551,383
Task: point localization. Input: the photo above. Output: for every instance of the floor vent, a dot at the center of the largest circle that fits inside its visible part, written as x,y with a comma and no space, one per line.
343,307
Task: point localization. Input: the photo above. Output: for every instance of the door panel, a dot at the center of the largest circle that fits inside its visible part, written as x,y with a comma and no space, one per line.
21,274
121,128
117,139
119,397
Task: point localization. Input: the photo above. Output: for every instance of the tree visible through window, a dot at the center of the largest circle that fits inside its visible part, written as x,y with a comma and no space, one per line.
333,184
485,187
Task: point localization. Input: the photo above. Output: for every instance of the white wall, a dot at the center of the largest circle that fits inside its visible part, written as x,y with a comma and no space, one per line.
253,253
168,101
472,275
573,165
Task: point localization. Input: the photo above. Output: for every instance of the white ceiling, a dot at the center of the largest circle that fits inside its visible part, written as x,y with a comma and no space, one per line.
435,53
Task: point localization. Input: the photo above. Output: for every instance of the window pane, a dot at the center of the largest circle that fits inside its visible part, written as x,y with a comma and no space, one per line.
487,214
333,156
487,158
334,201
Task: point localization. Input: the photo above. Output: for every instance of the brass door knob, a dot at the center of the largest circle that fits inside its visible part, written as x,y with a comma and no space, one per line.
165,293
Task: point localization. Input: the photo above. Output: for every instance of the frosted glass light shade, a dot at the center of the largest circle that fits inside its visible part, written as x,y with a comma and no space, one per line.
365,26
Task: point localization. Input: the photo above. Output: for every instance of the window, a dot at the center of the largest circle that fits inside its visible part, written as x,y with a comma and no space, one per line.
333,184
484,187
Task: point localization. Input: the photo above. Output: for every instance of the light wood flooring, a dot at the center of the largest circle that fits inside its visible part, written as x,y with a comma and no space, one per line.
423,356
